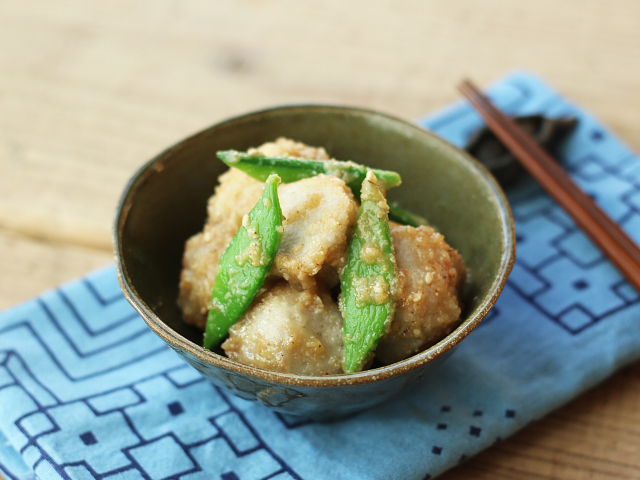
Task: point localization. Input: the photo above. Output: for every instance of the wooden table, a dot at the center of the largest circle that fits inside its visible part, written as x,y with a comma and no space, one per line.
91,90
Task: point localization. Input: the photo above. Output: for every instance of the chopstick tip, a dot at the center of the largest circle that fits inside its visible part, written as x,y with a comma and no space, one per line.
467,85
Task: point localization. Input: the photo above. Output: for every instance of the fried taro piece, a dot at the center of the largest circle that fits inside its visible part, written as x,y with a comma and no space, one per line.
431,276
319,215
289,331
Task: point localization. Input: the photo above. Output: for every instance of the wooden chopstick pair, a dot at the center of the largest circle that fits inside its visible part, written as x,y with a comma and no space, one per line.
605,233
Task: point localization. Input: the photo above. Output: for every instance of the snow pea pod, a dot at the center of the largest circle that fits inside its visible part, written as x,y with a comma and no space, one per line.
369,280
245,263
293,169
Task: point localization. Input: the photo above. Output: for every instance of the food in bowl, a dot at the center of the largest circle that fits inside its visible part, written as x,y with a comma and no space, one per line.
164,204
302,320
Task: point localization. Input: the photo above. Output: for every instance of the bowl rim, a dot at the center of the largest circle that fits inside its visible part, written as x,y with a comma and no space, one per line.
177,341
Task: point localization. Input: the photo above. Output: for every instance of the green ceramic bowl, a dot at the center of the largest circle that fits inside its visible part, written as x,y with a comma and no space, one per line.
165,203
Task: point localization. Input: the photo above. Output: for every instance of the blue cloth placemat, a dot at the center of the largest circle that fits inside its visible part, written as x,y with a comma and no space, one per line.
88,391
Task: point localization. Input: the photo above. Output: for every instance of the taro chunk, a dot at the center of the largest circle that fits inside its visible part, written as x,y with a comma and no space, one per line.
289,331
431,275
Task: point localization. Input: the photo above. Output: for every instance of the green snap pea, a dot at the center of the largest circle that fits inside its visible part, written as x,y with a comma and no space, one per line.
369,280
245,263
294,169
404,217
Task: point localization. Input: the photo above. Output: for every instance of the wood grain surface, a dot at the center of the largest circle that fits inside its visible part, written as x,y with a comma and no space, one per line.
91,90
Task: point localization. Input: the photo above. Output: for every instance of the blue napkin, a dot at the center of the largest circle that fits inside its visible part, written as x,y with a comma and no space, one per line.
88,391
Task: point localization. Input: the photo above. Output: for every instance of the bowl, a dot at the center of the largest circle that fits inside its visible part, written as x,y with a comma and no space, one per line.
165,203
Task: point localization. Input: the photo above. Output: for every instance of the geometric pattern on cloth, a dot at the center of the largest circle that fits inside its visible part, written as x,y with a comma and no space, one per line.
67,426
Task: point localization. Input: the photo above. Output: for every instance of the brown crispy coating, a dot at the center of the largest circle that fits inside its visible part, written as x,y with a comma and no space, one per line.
289,331
431,275
235,196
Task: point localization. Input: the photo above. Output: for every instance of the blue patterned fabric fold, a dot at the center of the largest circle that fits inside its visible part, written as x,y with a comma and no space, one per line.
87,391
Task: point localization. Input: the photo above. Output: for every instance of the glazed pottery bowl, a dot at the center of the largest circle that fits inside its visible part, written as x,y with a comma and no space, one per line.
165,203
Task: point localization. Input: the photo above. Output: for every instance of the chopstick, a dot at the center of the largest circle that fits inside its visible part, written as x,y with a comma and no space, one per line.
604,232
